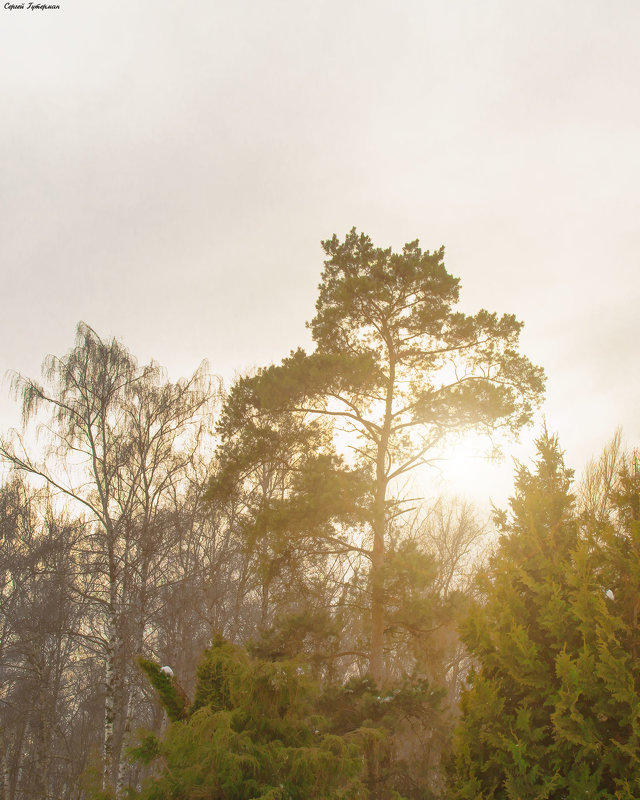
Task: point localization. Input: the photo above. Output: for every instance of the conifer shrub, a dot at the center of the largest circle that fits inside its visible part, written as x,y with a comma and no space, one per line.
253,732
552,709
171,695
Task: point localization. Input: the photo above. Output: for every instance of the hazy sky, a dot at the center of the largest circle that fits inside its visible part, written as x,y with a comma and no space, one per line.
169,169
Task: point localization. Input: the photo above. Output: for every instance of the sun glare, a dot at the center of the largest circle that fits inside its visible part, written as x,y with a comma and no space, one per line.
471,467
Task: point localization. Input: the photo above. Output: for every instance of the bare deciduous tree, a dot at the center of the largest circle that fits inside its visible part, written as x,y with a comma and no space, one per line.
119,441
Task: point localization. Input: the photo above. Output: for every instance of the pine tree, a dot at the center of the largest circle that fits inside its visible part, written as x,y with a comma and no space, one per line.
396,371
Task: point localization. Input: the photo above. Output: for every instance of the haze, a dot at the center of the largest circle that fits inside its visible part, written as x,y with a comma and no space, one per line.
169,170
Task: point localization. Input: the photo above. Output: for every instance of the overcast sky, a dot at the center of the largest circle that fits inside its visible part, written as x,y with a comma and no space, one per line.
169,169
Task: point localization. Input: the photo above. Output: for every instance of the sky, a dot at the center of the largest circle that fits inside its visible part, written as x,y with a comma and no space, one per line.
169,170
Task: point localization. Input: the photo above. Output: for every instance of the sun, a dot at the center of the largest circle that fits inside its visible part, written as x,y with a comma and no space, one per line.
471,467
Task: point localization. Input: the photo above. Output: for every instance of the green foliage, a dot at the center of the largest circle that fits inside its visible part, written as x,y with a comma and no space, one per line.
170,693
553,709
397,370
290,497
220,671
310,635
322,492
385,321
415,609
253,732
397,762
397,308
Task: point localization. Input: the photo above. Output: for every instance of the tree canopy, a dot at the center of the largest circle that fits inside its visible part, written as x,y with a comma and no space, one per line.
397,369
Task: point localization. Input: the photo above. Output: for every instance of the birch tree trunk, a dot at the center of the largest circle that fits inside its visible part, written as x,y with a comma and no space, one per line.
112,684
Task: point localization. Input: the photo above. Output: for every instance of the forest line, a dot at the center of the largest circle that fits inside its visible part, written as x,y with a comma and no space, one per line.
354,645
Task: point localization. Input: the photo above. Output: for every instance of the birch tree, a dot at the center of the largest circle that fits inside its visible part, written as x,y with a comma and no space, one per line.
118,438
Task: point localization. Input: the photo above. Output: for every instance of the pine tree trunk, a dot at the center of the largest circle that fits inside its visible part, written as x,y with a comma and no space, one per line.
264,603
376,656
378,526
